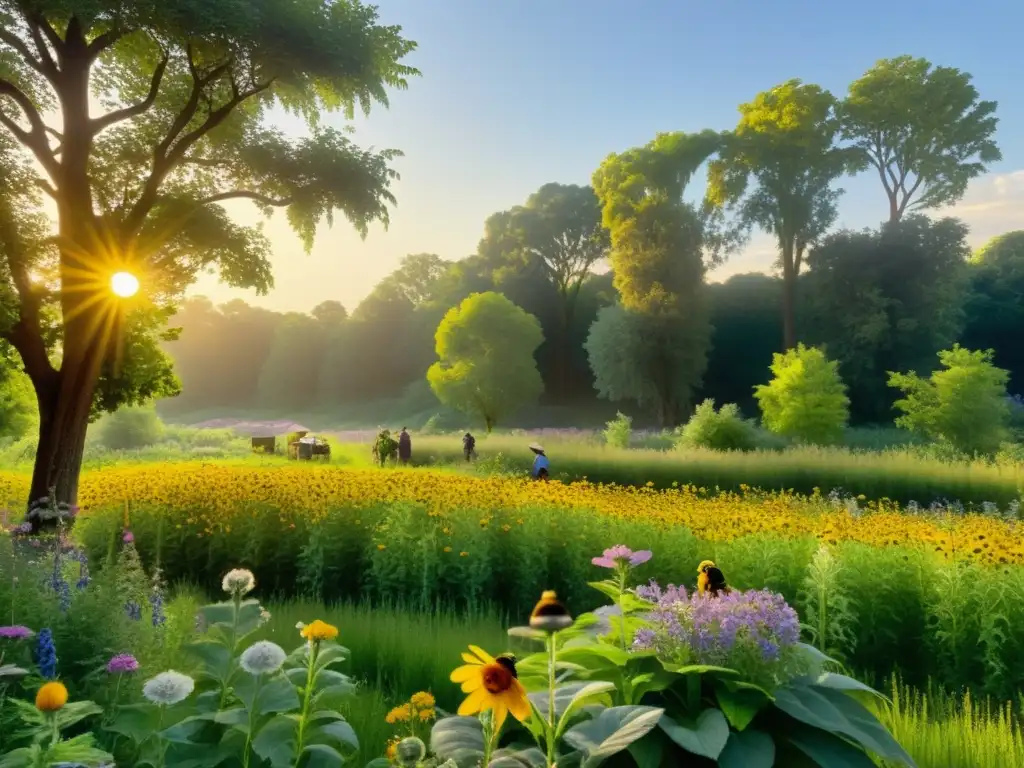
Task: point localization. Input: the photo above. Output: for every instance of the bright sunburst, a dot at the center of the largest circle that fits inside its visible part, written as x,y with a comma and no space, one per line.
124,284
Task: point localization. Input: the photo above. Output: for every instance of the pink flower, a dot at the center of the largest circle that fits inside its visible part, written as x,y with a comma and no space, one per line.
621,556
128,537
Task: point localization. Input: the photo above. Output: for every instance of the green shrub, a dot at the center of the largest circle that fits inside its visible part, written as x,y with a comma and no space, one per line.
618,431
721,430
806,400
130,428
965,405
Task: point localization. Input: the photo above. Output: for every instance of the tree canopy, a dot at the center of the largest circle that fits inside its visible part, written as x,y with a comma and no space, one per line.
186,89
486,367
786,144
924,129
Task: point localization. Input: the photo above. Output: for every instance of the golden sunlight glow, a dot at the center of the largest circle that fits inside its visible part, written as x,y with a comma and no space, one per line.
124,284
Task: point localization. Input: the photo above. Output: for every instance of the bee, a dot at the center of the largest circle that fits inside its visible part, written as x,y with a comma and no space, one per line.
508,661
711,580
549,615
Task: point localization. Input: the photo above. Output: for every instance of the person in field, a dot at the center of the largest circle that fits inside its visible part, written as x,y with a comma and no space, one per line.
404,446
469,446
541,465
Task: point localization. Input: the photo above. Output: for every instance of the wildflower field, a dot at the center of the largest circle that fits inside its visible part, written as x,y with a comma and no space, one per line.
931,595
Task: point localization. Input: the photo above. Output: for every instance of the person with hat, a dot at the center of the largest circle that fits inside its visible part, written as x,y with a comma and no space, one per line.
541,465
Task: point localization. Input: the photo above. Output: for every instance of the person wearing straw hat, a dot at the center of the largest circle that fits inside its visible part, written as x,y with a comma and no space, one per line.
541,465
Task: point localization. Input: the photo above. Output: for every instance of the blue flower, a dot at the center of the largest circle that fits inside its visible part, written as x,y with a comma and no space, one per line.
134,610
46,655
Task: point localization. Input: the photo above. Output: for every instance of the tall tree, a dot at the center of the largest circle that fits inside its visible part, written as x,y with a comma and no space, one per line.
785,143
653,348
558,233
418,276
924,129
485,361
187,87
887,300
995,308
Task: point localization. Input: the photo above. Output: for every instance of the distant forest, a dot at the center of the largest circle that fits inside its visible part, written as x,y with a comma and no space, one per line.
875,304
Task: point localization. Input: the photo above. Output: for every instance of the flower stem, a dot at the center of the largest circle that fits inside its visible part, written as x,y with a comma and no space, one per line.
622,610
552,658
54,730
252,722
307,695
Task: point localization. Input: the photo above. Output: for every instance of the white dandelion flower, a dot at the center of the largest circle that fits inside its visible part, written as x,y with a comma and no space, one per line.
262,658
168,688
238,582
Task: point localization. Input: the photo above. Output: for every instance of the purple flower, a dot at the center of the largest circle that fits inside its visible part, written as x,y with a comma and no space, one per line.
621,556
122,664
16,632
128,537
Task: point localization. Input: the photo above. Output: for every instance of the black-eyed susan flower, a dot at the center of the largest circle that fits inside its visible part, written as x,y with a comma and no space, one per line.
549,615
492,684
318,631
51,697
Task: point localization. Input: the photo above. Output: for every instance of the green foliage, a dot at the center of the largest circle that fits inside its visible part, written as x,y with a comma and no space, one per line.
805,400
965,404
287,379
187,91
486,366
19,414
130,428
923,128
995,312
785,143
619,431
887,300
721,430
654,361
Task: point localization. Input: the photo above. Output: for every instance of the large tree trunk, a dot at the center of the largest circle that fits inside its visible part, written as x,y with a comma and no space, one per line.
789,277
64,406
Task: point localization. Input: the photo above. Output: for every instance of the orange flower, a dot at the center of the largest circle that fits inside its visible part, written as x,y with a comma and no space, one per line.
319,630
51,697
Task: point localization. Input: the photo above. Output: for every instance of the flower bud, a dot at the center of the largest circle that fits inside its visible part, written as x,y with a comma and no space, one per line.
549,615
410,751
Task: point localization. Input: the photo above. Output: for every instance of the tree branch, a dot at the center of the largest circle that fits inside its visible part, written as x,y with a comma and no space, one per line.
104,41
101,123
35,23
17,44
36,138
166,157
245,194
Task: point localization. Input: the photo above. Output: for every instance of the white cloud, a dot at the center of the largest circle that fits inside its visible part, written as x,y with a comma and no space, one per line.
993,205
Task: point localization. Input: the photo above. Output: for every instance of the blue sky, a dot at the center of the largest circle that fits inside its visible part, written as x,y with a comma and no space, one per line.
517,94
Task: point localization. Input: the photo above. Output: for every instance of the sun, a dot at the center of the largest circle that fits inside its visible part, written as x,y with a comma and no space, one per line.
124,284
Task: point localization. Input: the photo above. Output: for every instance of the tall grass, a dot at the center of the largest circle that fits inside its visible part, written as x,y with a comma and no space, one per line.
943,731
896,474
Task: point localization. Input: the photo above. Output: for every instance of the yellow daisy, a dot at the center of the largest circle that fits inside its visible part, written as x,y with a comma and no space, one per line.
492,683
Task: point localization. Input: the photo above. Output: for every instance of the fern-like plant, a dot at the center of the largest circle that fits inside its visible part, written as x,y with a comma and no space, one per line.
828,610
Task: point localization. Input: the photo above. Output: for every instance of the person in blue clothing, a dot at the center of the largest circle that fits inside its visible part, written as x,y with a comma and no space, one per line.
541,465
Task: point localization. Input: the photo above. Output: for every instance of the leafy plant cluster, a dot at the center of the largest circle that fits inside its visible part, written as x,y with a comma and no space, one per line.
597,696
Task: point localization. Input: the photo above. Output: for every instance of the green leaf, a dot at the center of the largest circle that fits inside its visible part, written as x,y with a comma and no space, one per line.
277,741
80,750
706,736
216,660
740,702
136,721
518,758
341,732
379,762
818,659
322,756
612,731
458,738
649,752
9,670
700,669
528,633
564,695
233,718
829,750
77,711
584,695
186,731
223,615
595,655
836,712
608,588
277,695
750,749
329,655
843,683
